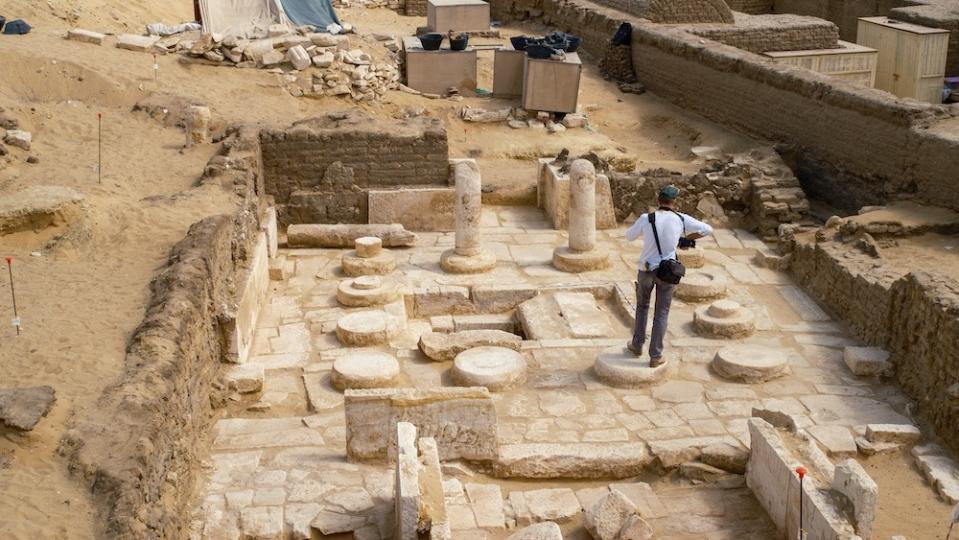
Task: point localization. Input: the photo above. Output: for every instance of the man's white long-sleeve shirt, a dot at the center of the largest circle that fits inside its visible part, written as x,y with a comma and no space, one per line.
670,228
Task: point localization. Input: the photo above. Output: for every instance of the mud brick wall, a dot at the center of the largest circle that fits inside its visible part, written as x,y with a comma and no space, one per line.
380,155
915,317
877,141
754,7
773,33
415,8
674,11
924,340
141,450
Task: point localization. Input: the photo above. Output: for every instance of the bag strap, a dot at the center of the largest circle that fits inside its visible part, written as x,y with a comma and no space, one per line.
680,216
652,221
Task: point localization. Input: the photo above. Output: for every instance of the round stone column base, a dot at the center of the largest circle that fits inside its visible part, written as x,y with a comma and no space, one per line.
692,257
496,368
701,285
751,364
618,367
575,262
378,265
365,369
484,261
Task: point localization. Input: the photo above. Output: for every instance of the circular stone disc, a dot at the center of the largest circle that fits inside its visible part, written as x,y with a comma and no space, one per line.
496,368
723,309
363,328
365,369
368,246
618,367
701,285
750,363
366,283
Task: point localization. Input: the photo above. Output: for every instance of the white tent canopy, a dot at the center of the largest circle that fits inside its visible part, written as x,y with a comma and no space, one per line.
242,18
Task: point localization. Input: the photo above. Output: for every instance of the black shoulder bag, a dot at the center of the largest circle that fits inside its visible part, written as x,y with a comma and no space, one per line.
670,270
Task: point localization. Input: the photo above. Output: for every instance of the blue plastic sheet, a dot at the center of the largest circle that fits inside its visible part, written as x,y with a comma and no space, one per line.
319,13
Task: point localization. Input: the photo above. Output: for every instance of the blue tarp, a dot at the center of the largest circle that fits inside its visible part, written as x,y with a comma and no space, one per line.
319,13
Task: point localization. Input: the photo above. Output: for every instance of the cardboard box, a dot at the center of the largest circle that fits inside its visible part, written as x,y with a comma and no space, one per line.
434,72
552,85
457,15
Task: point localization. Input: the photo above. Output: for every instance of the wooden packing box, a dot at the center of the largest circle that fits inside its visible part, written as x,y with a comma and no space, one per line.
912,58
850,62
457,15
552,85
508,65
434,72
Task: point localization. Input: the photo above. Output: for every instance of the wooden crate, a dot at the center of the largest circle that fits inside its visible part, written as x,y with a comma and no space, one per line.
912,58
850,62
434,72
552,85
457,15
508,66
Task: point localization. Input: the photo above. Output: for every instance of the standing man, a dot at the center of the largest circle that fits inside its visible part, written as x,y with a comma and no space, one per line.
674,229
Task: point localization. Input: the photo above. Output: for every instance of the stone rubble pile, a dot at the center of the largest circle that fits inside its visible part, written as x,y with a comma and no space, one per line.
12,136
519,118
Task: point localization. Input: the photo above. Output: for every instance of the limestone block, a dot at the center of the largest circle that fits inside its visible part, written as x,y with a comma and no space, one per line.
869,448
504,322
416,209
365,369
407,485
893,433
462,420
636,528
262,522
487,503
197,124
750,363
547,530
432,501
365,328
498,298
298,56
557,505
444,347
673,452
867,361
137,43
245,378
496,368
619,368
724,319
942,472
572,460
269,226
366,291
701,285
606,518
725,456
837,441
691,258
332,522
583,316
86,36
345,235
22,408
642,495
851,480
442,300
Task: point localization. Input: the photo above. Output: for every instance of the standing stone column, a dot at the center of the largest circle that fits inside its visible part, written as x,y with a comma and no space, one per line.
197,125
468,255
581,255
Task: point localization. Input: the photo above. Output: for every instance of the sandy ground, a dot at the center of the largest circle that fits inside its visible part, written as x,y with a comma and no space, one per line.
81,300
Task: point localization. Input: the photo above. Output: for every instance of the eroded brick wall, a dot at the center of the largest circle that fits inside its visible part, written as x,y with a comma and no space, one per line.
773,33
754,7
296,162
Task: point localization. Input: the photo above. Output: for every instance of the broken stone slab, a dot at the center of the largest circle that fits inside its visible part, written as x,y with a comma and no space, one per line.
867,361
606,518
546,530
671,453
86,36
572,460
136,43
345,235
245,378
18,138
636,528
487,503
893,433
725,456
262,522
473,114
942,472
432,501
407,485
499,298
462,420
558,505
869,448
440,300
837,441
851,480
22,408
443,347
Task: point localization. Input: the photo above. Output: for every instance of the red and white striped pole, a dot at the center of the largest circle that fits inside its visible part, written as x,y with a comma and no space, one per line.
13,293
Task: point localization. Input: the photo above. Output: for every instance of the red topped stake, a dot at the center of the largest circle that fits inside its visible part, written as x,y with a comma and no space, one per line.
16,317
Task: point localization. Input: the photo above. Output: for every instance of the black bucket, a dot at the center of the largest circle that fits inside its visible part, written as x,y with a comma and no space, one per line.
431,42
519,42
572,43
539,52
459,43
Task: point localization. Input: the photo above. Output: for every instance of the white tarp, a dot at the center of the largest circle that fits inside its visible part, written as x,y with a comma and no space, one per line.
242,18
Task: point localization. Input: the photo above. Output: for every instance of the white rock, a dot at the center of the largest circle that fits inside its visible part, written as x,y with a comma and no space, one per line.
245,378
607,516
133,42
262,522
573,121
86,36
540,531
18,138
272,58
867,361
298,57
324,60
851,480
560,505
893,433
836,440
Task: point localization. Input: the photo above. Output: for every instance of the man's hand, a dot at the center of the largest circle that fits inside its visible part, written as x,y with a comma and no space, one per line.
686,243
